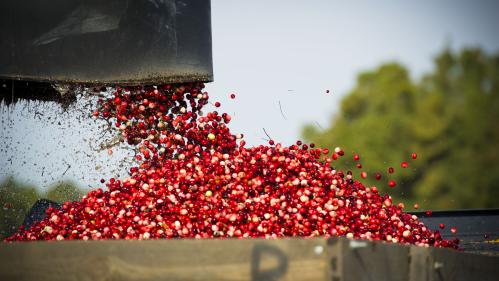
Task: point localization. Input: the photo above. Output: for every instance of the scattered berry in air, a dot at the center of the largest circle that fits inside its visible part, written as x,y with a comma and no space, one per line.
197,179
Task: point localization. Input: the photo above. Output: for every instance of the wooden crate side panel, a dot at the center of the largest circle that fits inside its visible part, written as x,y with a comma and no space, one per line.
288,259
336,259
363,260
455,266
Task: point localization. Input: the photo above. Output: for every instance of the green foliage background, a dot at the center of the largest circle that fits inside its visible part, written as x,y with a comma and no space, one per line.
450,118
16,199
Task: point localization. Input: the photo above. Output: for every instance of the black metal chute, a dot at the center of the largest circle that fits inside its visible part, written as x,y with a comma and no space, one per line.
106,42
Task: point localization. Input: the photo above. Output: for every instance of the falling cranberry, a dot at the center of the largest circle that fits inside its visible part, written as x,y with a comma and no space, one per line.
232,96
392,183
391,170
404,165
414,156
442,226
453,230
195,178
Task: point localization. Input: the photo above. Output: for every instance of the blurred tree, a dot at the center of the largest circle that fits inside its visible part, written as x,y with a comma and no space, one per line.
15,199
64,191
450,118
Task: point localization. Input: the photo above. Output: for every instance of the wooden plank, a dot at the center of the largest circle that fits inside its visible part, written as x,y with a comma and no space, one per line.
256,259
420,264
335,259
364,260
450,265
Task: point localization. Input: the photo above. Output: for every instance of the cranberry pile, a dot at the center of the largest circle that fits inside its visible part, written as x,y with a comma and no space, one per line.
195,179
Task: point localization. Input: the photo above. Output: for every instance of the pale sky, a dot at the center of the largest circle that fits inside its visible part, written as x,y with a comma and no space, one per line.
263,49
270,52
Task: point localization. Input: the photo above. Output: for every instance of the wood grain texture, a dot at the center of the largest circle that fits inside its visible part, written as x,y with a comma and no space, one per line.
286,259
374,261
449,265
353,260
335,259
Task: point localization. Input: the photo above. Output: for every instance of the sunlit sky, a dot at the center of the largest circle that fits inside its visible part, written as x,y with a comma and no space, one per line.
293,51
279,57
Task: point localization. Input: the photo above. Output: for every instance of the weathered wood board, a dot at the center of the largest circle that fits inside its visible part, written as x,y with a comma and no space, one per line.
335,259
287,259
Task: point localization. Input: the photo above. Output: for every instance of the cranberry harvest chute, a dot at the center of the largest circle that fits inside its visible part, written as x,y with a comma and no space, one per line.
196,179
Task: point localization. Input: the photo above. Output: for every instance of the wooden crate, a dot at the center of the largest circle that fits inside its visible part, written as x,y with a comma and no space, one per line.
334,259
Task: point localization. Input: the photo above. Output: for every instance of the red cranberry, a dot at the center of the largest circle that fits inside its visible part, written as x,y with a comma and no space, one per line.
196,179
